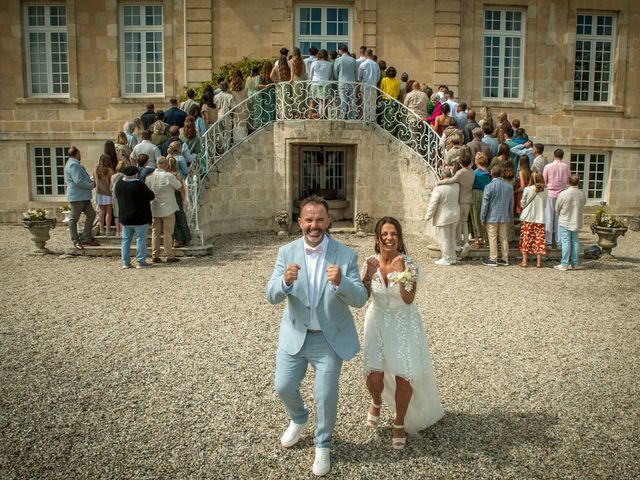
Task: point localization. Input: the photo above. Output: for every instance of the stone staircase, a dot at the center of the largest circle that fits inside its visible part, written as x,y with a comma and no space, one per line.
110,247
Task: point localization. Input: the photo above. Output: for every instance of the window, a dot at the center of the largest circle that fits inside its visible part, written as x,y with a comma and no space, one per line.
48,168
323,172
592,170
594,50
142,50
503,54
46,49
322,27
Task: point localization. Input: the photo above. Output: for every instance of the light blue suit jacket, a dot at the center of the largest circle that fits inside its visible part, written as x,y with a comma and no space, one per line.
345,69
332,305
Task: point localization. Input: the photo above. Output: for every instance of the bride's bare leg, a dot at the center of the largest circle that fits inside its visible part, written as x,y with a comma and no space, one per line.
403,396
375,385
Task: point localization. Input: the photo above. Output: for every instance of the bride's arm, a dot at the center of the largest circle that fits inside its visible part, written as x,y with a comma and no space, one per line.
368,270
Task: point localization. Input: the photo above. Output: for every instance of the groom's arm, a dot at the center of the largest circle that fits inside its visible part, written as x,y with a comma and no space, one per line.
274,291
351,289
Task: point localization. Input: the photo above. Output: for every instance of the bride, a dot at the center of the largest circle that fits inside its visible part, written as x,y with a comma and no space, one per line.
397,363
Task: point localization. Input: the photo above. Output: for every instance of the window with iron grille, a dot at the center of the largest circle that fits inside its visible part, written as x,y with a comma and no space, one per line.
46,50
142,49
594,58
592,168
323,172
48,170
322,27
503,54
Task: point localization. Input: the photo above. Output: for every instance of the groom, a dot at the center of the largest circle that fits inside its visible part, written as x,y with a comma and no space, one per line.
320,278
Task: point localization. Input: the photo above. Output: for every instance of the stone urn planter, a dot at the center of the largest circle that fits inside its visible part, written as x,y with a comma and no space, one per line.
283,221
39,230
361,220
608,239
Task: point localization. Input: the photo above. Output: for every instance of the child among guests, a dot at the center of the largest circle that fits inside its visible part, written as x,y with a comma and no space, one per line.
103,175
533,204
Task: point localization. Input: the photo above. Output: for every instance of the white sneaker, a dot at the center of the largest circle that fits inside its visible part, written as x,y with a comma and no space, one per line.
322,462
458,248
442,262
465,250
292,434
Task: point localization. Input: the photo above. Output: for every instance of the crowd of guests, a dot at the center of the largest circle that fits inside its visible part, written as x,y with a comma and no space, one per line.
140,181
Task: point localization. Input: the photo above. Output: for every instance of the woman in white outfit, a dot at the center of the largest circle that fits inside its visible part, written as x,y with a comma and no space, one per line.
320,74
397,362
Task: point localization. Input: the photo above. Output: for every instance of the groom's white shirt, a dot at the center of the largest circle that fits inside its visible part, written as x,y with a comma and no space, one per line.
313,261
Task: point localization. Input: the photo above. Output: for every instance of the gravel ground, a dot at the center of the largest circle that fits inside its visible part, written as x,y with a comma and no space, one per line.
168,372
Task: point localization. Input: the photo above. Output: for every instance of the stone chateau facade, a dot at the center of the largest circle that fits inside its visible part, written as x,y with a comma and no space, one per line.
75,71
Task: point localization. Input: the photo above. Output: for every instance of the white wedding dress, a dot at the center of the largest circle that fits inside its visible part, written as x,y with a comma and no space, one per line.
395,343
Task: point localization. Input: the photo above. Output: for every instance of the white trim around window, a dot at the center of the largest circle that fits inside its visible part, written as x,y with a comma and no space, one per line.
142,50
594,57
323,26
47,171
46,50
593,168
503,54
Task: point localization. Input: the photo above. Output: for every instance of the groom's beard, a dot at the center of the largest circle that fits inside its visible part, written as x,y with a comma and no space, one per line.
312,242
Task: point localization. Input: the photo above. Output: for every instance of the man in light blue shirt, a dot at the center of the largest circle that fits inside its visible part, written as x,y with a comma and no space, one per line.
495,214
345,69
369,76
489,139
363,55
79,193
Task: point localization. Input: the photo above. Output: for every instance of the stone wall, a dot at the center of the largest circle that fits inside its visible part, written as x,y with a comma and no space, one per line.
256,179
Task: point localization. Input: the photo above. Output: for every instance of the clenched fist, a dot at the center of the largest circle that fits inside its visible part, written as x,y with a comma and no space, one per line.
291,273
372,266
334,275
397,264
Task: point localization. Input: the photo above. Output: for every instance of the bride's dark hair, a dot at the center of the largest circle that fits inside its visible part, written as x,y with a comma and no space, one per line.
395,223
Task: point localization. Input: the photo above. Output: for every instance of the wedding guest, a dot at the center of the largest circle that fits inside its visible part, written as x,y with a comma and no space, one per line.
476,145
134,204
539,161
138,129
143,169
148,148
148,117
208,107
490,140
225,102
188,104
316,271
486,118
397,362
115,178
345,71
103,174
298,75
189,137
533,204
241,113
123,152
110,151
481,179
524,179
320,75
158,137
173,115
416,100
496,214
369,76
556,176
313,56
437,110
79,192
201,126
128,128
570,211
444,210
465,177
181,232
268,100
163,209
470,126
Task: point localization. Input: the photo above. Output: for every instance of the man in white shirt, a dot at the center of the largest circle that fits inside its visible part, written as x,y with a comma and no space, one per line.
452,103
444,209
369,76
148,148
313,56
570,211
363,55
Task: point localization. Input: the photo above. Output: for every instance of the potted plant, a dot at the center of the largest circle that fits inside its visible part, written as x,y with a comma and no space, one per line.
283,220
362,219
66,211
608,228
39,224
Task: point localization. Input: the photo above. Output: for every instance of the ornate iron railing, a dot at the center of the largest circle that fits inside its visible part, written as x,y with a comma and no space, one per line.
306,100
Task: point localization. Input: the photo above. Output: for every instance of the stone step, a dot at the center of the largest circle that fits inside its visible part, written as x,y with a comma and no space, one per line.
114,251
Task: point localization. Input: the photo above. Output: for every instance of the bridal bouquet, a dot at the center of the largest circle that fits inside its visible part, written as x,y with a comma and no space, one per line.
406,278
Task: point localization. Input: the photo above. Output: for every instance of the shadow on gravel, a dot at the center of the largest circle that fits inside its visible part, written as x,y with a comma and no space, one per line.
464,438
